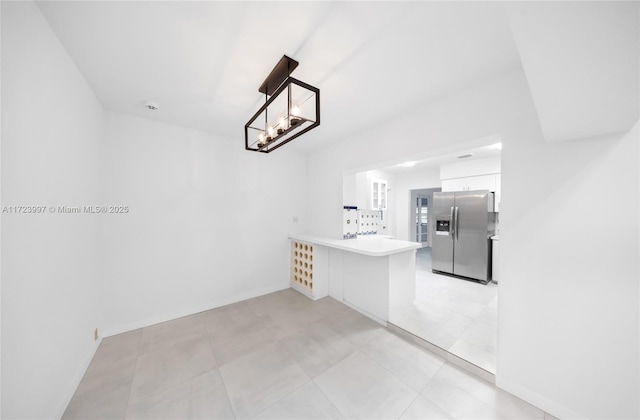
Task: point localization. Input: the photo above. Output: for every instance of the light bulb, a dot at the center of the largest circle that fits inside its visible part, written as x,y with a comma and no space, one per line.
270,130
261,139
282,126
295,111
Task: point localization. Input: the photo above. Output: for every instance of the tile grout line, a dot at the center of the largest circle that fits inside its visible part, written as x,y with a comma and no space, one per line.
426,385
325,395
276,343
285,396
498,391
468,394
311,379
218,367
264,324
400,379
177,385
409,406
135,369
426,398
321,318
449,357
226,390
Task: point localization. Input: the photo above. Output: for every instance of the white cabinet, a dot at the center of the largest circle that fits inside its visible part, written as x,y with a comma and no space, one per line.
378,194
470,183
375,276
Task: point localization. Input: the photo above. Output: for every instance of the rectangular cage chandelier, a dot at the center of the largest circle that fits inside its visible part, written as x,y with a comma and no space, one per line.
291,109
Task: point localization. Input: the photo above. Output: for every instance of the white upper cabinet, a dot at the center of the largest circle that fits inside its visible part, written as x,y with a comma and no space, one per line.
480,174
378,194
470,183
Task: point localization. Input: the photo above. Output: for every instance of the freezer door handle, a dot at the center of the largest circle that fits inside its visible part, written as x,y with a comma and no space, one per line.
452,224
457,212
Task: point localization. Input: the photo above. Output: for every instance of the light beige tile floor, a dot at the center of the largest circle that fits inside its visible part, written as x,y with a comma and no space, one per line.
280,356
457,315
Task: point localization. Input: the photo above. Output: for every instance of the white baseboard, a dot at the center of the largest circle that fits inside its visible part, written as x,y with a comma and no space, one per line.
533,398
108,332
365,313
446,355
119,329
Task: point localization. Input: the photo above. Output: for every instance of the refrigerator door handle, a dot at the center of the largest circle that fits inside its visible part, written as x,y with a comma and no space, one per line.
452,224
457,212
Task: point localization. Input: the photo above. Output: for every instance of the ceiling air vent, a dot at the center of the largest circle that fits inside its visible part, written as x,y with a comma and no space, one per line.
465,156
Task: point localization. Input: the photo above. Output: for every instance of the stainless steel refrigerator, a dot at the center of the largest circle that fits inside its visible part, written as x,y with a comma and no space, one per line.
465,222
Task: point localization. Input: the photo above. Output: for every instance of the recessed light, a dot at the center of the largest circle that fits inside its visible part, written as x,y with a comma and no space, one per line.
465,156
407,164
496,146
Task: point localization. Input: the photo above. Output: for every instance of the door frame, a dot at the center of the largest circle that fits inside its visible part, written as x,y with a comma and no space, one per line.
413,196
418,207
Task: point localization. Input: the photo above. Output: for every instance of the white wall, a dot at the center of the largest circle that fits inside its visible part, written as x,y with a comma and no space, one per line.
560,270
350,190
388,216
568,322
357,191
208,221
470,167
584,84
51,265
0,217
419,178
458,122
358,187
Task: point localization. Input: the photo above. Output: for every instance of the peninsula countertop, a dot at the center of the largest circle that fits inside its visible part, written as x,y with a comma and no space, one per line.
372,245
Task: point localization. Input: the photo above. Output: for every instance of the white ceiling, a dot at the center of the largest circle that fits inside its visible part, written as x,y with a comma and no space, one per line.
204,61
483,152
583,68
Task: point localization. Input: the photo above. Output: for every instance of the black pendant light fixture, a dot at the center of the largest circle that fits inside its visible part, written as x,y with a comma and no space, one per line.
291,109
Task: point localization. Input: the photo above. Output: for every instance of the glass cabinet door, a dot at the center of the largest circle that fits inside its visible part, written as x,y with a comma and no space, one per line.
378,195
422,219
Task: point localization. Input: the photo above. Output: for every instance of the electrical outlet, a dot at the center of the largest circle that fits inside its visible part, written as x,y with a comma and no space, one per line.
295,219
95,335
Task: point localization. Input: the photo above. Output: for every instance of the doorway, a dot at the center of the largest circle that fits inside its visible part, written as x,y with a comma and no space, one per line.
456,315
419,216
422,219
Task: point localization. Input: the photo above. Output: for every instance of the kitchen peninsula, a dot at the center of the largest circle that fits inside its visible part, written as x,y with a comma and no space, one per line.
373,274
